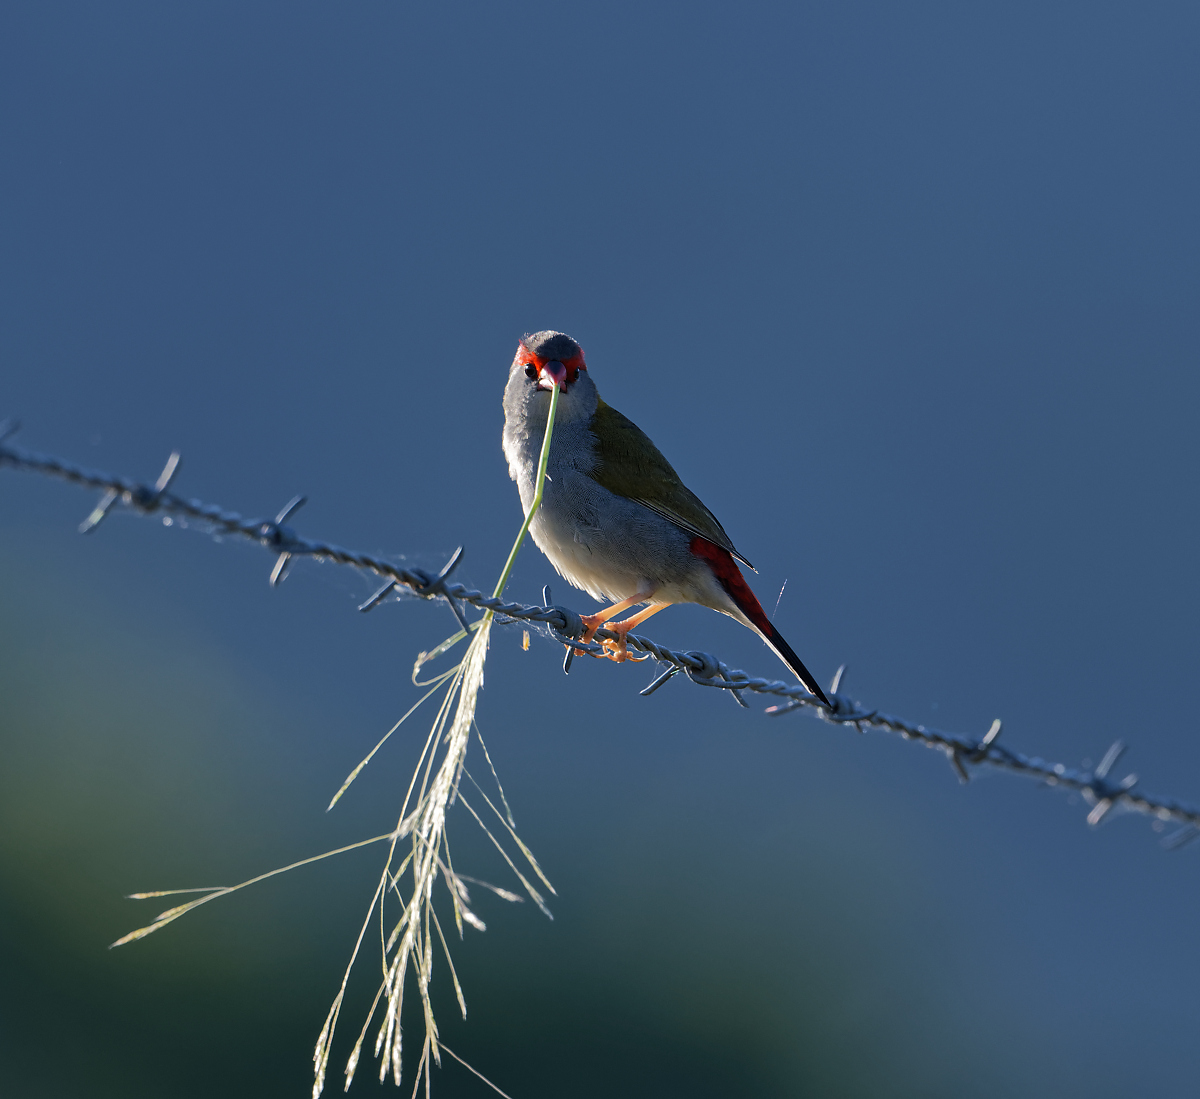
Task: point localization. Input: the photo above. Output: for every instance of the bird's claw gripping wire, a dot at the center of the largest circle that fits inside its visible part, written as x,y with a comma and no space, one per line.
614,648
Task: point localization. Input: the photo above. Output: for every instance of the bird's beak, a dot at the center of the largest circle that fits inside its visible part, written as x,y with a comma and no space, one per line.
553,374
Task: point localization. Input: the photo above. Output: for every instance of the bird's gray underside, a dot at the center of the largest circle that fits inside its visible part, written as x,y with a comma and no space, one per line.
609,546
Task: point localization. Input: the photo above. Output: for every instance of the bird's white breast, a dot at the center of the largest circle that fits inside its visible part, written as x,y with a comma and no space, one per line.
610,546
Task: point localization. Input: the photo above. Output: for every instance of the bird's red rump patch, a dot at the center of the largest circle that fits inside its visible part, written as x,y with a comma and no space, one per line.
574,364
730,577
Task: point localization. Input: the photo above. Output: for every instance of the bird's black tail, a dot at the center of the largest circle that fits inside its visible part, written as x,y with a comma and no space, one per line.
785,653
749,609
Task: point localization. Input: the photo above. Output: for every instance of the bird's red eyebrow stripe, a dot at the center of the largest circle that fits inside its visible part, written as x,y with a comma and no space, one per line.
574,364
730,577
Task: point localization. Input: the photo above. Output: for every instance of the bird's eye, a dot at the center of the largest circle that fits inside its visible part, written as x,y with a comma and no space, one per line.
531,371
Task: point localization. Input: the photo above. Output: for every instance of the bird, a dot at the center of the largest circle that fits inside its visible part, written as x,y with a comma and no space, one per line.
615,519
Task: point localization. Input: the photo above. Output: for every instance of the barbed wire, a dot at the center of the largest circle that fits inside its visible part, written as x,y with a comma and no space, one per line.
703,669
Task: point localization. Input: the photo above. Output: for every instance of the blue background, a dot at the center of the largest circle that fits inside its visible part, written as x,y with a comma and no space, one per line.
907,294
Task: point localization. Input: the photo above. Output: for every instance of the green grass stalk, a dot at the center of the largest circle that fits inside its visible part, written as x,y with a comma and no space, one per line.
537,496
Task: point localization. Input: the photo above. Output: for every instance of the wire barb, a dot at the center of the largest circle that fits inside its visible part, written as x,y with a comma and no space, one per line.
570,629
1181,838
276,534
143,497
1104,794
97,514
659,680
703,669
378,597
436,585
168,474
978,755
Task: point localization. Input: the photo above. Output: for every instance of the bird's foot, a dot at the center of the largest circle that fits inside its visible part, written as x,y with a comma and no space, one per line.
613,649
591,623
618,649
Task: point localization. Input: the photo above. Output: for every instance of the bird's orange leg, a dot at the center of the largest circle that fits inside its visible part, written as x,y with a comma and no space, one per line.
616,650
592,622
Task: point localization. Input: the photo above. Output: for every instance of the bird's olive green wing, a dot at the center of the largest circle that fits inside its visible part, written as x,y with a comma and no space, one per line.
630,465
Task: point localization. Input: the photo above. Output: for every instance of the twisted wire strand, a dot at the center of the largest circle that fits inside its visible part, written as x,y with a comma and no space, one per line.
703,669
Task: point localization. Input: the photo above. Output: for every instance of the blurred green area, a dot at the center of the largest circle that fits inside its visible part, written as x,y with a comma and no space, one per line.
684,959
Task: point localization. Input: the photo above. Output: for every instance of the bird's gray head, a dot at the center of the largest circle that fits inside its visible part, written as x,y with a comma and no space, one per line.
543,361
550,358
